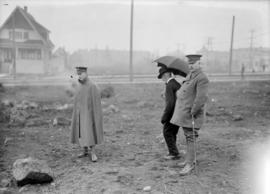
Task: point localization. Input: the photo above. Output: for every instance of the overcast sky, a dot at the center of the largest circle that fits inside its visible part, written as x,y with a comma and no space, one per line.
159,25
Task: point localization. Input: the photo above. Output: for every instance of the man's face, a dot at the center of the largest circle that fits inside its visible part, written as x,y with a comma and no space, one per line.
82,76
195,65
165,77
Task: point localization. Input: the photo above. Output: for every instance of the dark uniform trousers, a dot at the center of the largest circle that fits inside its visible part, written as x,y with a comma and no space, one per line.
170,134
170,130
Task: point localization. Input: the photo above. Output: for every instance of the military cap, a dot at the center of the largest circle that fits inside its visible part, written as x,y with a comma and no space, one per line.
193,58
81,69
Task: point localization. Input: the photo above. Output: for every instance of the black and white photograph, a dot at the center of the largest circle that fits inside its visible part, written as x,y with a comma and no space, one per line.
134,96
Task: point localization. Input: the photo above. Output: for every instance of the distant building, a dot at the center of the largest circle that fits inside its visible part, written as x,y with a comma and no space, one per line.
255,60
111,61
58,62
31,42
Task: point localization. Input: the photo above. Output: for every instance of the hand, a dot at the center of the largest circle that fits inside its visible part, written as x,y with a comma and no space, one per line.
162,95
193,115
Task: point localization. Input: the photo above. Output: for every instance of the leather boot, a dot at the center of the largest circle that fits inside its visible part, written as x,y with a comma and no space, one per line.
187,169
190,151
84,153
93,155
189,162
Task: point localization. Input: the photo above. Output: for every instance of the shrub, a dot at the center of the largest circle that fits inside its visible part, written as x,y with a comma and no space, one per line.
4,113
107,92
2,88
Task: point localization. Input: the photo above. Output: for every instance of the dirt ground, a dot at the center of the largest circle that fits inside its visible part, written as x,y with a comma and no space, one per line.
131,157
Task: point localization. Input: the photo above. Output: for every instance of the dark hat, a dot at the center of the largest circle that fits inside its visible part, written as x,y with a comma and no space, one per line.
81,69
193,58
162,70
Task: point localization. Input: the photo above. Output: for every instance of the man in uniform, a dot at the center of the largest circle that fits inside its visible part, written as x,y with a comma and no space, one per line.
189,109
87,122
169,130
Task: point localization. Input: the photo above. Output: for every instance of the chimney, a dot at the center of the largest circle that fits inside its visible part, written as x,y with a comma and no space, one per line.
25,8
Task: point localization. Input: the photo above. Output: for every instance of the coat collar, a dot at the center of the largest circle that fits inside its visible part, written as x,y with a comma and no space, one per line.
84,82
193,73
169,80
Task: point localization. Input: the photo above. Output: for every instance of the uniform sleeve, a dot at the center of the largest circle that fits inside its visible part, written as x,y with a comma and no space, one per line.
170,99
201,95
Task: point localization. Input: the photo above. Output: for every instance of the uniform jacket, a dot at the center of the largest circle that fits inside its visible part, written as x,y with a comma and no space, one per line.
191,100
170,98
87,122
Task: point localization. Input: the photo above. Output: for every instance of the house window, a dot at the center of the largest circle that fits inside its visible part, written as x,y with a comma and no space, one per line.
26,35
29,54
18,35
6,54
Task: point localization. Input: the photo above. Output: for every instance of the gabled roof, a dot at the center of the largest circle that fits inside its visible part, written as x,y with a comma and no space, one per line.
33,23
37,25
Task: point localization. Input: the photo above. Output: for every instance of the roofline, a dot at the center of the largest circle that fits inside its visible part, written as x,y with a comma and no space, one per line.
31,24
29,21
17,7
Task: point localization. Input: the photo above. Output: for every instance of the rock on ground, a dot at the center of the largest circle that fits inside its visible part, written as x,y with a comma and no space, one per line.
111,109
61,121
31,171
237,117
36,122
6,191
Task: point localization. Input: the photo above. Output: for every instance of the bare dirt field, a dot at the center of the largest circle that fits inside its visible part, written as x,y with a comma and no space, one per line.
131,157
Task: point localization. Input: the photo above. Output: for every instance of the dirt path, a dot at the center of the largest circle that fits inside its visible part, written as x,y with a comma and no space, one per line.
132,155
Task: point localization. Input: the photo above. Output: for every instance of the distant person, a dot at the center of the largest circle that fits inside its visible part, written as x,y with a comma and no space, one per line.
242,71
263,67
169,130
189,107
87,121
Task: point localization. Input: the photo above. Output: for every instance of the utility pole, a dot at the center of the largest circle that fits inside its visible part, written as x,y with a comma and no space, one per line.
131,44
209,48
14,47
251,49
231,48
210,43
178,49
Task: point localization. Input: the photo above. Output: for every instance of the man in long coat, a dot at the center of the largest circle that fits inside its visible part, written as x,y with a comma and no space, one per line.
87,121
191,99
169,130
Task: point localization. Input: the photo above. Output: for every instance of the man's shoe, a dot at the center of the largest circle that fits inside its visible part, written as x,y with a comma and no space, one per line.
94,157
82,155
186,170
172,157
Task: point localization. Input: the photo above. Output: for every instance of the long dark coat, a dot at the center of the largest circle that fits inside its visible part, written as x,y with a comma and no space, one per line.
191,99
87,121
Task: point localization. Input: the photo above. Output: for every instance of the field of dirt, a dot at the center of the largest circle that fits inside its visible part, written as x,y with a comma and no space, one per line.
131,157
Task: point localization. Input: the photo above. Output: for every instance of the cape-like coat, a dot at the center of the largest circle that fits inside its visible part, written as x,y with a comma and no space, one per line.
87,121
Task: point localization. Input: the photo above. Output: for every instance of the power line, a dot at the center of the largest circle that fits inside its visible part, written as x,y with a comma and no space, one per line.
243,39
